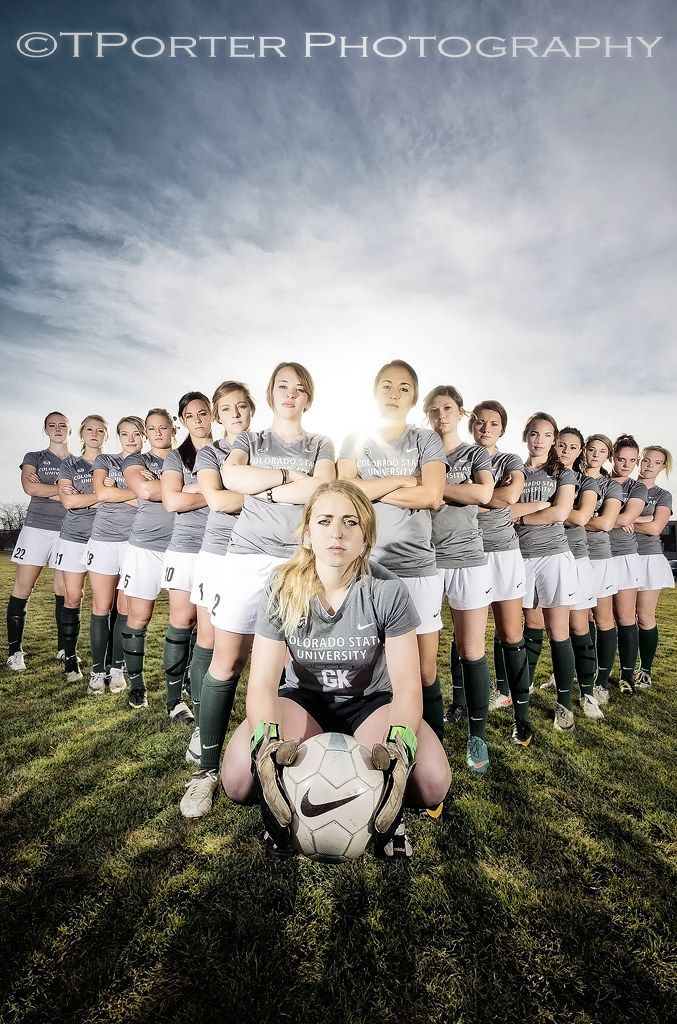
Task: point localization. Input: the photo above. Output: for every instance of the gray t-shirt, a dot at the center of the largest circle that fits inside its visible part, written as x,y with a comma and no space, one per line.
456,534
404,536
550,539
343,655
656,496
220,525
623,543
189,527
77,523
599,546
153,525
272,528
43,513
496,526
113,519
576,535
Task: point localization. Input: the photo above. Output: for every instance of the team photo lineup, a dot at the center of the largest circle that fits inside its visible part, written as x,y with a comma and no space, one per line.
325,570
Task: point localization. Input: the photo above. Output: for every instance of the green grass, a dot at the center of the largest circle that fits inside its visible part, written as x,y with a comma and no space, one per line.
547,894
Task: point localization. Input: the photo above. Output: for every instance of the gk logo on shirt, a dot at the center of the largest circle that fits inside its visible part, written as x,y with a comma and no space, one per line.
335,679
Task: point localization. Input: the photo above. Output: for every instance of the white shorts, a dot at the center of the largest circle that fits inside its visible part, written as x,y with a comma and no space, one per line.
237,596
508,576
628,571
655,573
467,588
586,596
177,570
208,571
551,581
68,555
34,546
105,556
141,573
606,577
426,595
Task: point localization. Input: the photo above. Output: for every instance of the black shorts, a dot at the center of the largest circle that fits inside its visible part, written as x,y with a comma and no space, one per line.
338,715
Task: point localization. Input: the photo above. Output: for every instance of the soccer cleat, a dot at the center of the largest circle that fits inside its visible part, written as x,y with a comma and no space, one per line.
97,683
456,715
430,813
194,751
601,694
397,847
626,688
200,795
564,719
522,733
550,685
74,675
642,680
181,713
16,663
117,682
275,852
137,698
477,755
591,708
61,655
499,700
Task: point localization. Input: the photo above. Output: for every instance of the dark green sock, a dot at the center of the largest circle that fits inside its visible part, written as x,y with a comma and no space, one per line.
16,621
99,631
628,648
117,655
175,661
607,640
216,703
477,686
70,631
517,671
501,668
58,618
112,619
533,638
564,669
585,660
185,682
433,710
199,666
134,650
593,631
457,687
648,644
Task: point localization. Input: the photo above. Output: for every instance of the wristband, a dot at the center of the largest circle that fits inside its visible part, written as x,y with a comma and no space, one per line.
259,734
284,476
408,737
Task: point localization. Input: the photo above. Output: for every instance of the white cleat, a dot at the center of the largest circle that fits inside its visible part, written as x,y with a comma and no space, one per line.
74,676
16,663
97,683
194,751
499,701
181,713
61,655
200,794
642,680
564,719
591,708
117,682
601,694
550,685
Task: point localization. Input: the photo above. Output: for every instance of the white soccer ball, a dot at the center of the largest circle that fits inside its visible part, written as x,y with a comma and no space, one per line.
333,790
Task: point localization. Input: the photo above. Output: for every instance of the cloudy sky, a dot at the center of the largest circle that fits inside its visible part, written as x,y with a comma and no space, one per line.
507,225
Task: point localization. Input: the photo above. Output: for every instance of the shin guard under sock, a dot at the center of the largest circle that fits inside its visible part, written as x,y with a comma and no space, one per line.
175,661
185,682
500,668
16,621
99,632
585,659
517,671
58,618
70,631
199,666
134,650
216,704
628,648
117,656
607,641
563,669
477,686
433,710
593,631
533,639
457,687
648,644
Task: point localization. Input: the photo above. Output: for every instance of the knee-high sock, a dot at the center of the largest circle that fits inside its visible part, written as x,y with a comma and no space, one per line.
563,668
517,671
112,619
457,687
501,668
593,631
175,660
533,638
134,650
185,682
99,633
477,686
607,640
628,648
16,620
58,618
117,654
70,628
216,704
199,666
433,709
648,644
585,659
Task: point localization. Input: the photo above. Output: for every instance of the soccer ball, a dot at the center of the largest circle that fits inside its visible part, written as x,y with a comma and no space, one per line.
333,790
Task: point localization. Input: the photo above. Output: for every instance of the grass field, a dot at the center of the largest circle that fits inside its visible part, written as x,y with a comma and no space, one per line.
547,893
